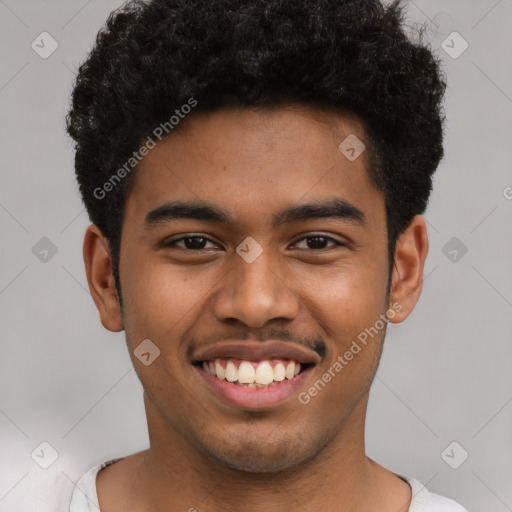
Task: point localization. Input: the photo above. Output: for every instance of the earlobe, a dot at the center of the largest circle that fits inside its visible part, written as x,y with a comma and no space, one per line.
98,267
407,277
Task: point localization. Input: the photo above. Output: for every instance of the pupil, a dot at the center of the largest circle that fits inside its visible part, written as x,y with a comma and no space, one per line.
314,241
194,242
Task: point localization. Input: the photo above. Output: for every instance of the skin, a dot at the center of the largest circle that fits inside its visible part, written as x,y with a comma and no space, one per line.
205,454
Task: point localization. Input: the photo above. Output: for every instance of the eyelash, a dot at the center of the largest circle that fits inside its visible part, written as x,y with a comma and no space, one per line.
173,243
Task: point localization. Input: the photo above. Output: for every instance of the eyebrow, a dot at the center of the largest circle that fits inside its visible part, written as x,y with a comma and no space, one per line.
335,208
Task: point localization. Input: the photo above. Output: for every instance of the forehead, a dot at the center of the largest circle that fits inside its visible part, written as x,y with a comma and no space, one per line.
255,161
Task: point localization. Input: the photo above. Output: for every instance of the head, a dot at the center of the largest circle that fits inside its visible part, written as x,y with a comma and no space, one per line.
241,108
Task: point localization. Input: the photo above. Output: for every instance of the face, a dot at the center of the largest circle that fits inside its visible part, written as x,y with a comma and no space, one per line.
246,272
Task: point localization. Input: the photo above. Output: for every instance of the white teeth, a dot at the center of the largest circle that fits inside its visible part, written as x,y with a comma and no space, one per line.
264,373
290,370
246,373
231,372
263,376
219,370
279,372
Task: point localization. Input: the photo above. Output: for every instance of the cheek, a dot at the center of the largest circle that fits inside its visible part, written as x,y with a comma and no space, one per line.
347,302
161,298
345,298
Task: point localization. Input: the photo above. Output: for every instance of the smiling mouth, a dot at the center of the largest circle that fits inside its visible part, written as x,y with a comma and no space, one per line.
253,374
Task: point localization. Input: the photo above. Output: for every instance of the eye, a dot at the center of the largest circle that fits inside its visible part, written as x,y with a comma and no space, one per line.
318,242
192,242
198,242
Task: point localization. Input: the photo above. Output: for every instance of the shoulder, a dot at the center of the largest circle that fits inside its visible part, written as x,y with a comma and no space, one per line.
84,497
425,501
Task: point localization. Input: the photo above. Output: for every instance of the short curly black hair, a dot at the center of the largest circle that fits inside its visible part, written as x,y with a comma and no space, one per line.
151,57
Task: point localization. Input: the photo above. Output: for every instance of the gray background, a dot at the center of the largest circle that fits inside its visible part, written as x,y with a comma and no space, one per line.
445,373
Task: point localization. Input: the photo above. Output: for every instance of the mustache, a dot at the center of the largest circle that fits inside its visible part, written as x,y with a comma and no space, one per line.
314,343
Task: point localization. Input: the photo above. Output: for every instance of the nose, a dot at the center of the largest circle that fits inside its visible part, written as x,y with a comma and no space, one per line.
255,293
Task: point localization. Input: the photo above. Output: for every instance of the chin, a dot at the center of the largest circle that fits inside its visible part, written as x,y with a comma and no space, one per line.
260,456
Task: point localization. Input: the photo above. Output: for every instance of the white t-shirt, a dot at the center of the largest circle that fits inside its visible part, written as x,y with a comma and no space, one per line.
85,499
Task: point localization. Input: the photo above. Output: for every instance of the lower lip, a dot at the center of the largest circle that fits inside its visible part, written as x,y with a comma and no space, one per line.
254,398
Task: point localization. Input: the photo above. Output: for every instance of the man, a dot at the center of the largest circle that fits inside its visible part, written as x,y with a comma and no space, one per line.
255,174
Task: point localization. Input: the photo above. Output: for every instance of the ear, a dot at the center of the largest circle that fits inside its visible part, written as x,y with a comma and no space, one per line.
407,277
98,266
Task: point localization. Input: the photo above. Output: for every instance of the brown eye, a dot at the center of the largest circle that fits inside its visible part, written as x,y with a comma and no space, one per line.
192,243
318,242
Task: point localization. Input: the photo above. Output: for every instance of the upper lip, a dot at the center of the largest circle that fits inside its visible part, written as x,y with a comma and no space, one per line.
256,351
